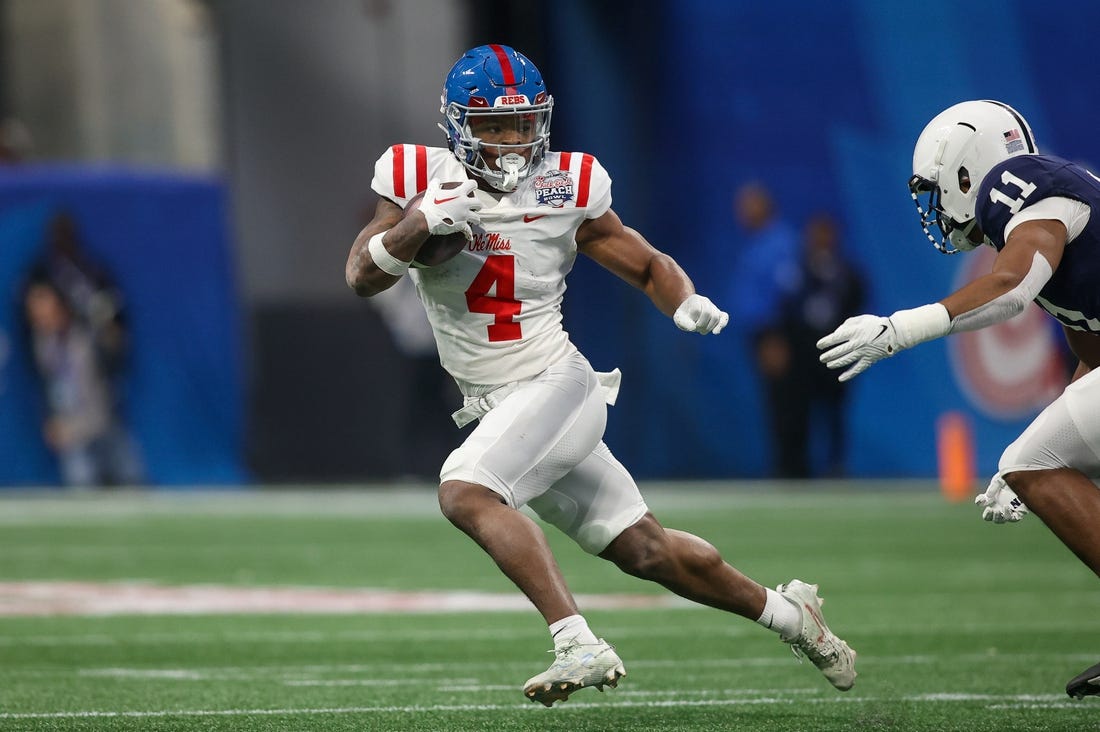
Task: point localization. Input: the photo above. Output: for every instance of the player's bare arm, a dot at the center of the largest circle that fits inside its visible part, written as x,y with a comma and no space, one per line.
627,254
1013,267
402,238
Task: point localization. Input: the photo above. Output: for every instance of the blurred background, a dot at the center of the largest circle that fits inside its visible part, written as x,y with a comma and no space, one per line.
190,175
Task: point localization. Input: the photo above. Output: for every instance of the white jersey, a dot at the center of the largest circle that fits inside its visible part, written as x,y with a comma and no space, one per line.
495,308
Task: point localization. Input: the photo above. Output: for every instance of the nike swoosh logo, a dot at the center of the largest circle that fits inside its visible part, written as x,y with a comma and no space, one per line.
880,333
438,201
528,219
820,622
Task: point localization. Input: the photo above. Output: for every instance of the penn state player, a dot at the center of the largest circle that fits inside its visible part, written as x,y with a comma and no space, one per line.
495,309
987,183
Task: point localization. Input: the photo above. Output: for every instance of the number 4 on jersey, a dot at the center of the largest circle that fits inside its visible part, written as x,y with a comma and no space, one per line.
498,270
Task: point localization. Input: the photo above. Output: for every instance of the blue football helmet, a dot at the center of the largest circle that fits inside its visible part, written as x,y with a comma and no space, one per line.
499,81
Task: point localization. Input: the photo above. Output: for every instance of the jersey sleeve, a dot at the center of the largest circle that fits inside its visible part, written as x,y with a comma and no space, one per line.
599,201
1009,188
404,170
1074,215
592,183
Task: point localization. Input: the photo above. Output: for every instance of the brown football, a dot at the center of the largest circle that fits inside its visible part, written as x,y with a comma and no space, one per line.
437,248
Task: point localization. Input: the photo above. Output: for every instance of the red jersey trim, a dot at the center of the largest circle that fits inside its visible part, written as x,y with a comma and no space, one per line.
420,163
399,170
585,181
421,168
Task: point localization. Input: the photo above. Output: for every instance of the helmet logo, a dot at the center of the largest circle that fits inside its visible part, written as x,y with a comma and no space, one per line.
1013,141
515,100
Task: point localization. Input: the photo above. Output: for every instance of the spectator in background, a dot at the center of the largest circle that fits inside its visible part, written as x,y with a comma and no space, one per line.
829,290
81,427
80,342
765,276
87,288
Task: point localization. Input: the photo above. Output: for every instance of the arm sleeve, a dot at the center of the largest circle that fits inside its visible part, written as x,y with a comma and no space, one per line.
1011,303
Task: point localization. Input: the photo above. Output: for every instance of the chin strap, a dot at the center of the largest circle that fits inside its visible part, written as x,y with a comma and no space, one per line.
960,238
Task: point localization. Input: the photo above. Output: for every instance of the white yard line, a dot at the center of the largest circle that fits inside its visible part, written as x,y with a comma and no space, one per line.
34,507
142,598
307,675
1028,701
419,635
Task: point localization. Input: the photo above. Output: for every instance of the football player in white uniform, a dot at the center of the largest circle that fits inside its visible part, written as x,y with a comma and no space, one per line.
987,183
495,308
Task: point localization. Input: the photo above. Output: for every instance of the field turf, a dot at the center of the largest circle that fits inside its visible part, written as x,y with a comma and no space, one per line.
959,624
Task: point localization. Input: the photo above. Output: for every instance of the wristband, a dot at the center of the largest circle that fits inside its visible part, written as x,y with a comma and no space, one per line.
385,261
921,324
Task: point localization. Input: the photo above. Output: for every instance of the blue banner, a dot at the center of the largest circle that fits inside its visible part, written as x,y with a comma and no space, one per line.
690,101
163,239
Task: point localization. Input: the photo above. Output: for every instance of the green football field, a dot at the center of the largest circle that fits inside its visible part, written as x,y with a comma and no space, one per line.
365,610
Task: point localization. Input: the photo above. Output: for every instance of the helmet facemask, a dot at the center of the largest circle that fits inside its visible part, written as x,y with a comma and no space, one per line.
954,236
500,145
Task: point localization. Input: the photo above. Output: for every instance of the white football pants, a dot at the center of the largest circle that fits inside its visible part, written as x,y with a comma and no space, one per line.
1065,435
542,447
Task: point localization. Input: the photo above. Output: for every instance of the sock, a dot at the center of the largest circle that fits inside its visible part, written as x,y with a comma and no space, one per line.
781,615
570,629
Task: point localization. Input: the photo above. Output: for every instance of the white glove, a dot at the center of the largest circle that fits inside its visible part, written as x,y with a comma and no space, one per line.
448,210
1000,503
859,342
699,314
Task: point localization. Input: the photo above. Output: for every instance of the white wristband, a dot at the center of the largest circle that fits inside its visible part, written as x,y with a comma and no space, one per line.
385,261
921,324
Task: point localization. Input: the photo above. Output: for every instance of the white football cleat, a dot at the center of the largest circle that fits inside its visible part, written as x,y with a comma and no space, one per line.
815,641
576,666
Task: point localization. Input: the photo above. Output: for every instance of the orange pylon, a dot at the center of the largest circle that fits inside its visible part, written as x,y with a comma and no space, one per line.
955,451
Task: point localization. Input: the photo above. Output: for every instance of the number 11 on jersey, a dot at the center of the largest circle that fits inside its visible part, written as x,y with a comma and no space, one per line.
498,270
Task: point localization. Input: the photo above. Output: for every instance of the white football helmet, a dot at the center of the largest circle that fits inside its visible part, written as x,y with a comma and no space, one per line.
952,155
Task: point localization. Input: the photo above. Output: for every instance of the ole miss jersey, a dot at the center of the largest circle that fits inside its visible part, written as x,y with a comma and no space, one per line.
1073,294
495,308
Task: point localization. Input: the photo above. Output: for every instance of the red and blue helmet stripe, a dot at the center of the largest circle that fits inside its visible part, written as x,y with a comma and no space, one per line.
488,73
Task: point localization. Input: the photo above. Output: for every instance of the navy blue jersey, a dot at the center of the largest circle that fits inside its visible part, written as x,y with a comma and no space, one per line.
1073,294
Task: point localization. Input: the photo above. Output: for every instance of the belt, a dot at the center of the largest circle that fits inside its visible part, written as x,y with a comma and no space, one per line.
477,407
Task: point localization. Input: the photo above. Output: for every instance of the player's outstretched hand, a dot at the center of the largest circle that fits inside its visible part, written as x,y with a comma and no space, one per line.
858,343
1000,504
698,314
448,210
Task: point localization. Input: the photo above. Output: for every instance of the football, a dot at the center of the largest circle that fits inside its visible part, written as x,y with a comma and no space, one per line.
437,248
